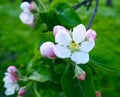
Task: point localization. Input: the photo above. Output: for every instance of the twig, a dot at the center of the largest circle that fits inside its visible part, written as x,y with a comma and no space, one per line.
93,14
76,6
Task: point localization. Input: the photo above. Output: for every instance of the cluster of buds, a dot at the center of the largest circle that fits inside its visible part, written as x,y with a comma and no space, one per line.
11,78
27,16
11,82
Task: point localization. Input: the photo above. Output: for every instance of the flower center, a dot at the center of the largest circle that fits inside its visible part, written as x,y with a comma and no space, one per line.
73,46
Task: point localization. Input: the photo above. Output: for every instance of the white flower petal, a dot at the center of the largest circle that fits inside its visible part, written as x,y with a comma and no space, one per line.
63,38
87,46
25,6
61,51
80,57
27,18
10,91
79,33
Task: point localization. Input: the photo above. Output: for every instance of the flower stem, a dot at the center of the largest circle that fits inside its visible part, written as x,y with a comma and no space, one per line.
42,5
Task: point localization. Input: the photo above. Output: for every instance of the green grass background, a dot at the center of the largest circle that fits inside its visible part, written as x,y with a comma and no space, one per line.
16,45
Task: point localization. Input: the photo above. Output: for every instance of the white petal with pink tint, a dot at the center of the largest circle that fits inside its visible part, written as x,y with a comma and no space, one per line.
27,18
79,33
58,28
63,38
61,51
87,46
80,57
25,6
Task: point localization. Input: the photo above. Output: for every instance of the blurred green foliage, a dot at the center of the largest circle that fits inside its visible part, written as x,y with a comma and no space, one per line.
16,44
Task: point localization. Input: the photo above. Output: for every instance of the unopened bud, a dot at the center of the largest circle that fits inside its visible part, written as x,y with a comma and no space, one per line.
91,33
21,91
11,69
46,50
98,93
79,73
57,28
33,6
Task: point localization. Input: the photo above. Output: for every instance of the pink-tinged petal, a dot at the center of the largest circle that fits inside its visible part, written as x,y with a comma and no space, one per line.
58,28
91,33
61,51
63,38
80,57
46,50
87,46
27,18
79,33
25,6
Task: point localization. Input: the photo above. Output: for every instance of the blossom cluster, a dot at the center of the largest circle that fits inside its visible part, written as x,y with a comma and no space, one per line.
75,44
27,17
11,82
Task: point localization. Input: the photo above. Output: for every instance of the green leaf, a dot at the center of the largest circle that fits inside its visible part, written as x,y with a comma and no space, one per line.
72,87
50,18
104,60
40,77
67,15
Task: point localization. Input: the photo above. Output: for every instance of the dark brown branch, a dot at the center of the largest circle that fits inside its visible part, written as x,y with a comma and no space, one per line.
93,14
78,5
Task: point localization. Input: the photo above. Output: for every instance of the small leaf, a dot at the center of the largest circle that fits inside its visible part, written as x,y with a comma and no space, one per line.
72,87
67,15
105,60
39,77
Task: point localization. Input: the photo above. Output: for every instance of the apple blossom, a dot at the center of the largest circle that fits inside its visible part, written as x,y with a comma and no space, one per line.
79,73
11,80
27,17
46,50
75,44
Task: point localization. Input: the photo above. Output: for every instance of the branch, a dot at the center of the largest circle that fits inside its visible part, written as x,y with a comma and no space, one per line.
76,6
93,14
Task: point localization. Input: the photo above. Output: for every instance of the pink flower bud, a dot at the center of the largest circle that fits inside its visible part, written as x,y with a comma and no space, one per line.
82,76
57,28
21,91
46,50
79,73
91,33
98,93
11,69
33,6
